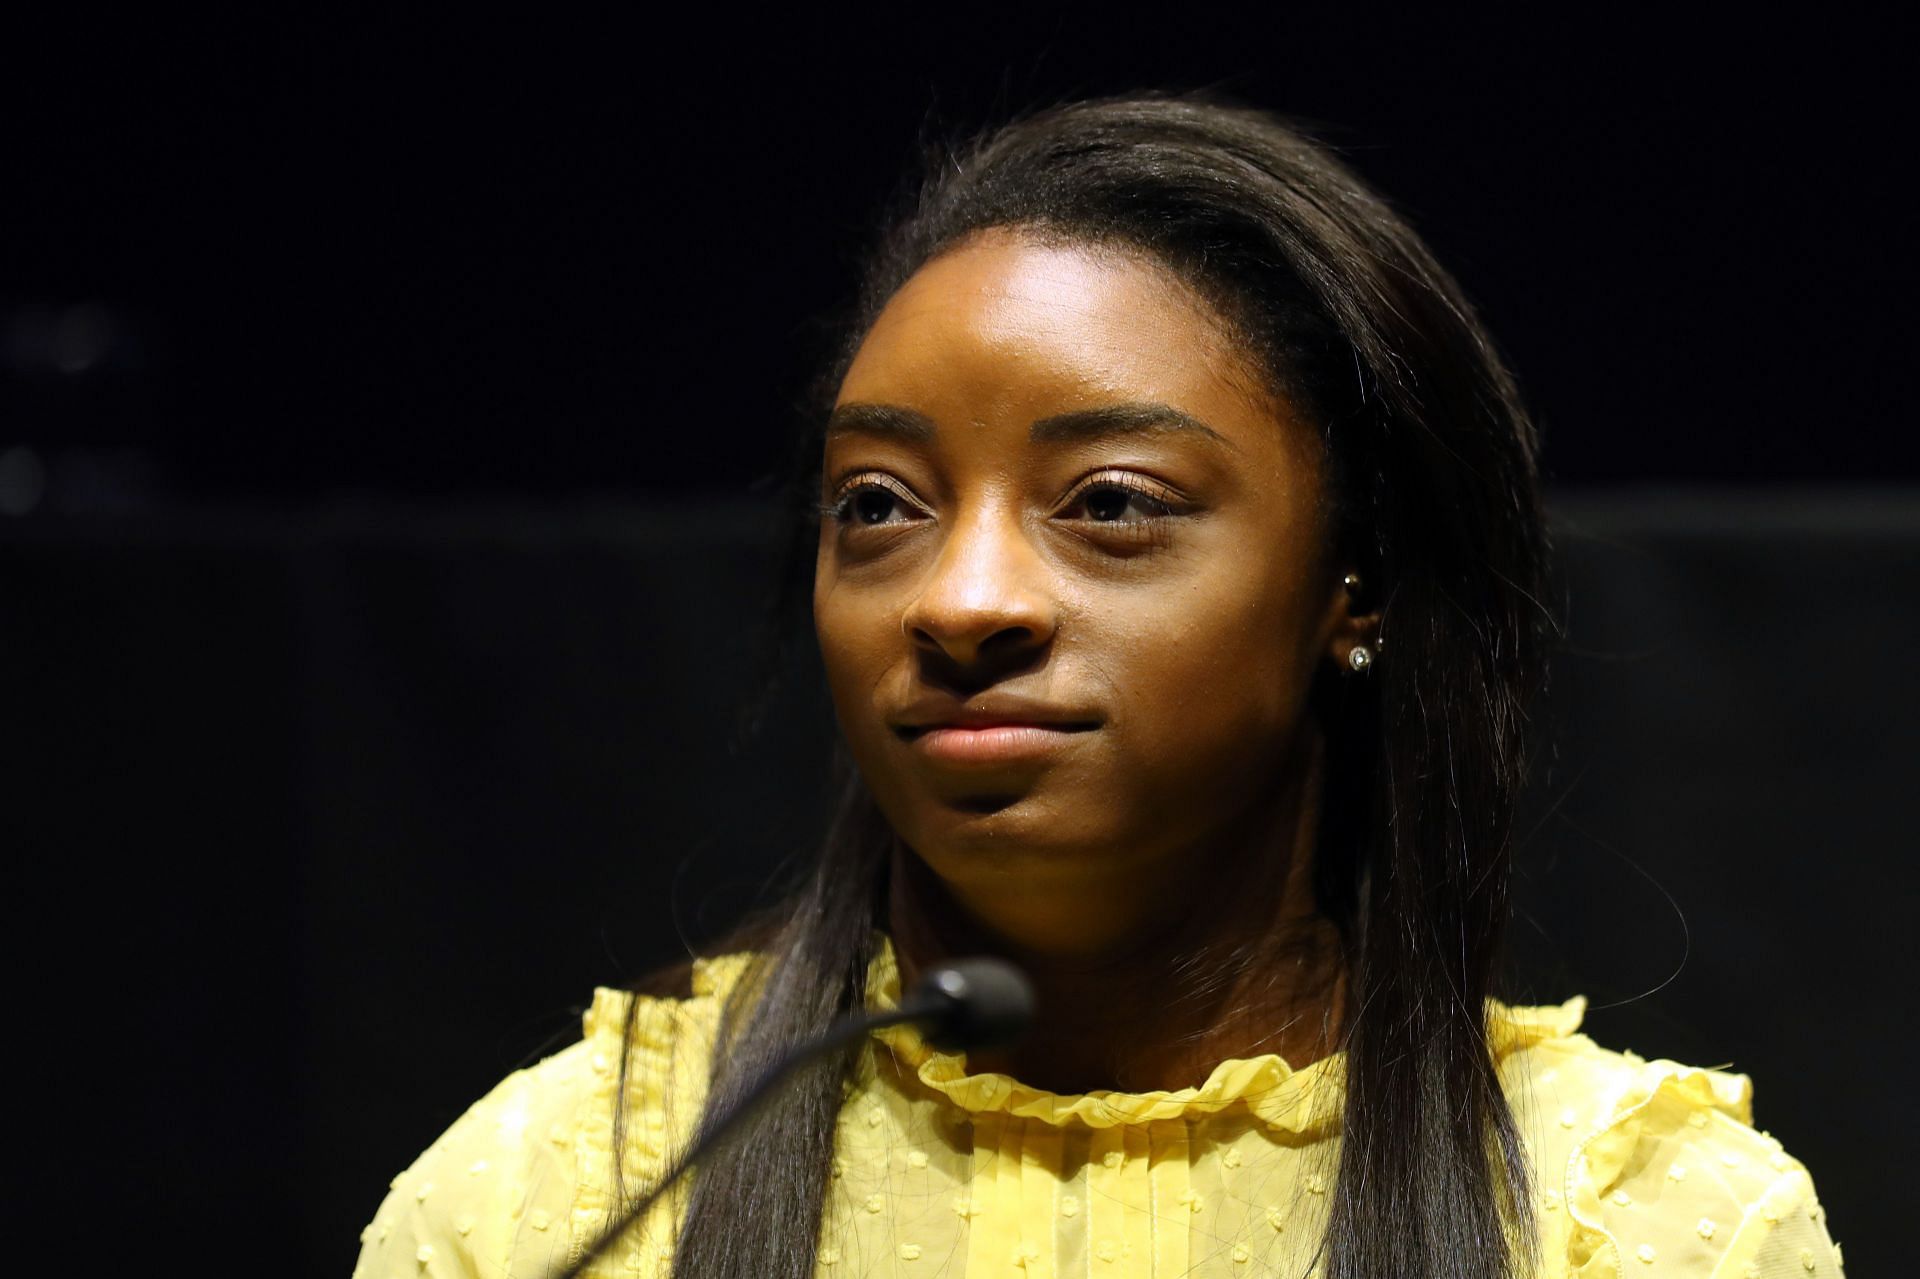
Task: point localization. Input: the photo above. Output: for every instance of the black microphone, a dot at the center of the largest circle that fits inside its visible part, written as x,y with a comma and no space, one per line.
970,1003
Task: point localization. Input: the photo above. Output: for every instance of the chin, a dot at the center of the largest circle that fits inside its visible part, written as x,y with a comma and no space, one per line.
994,833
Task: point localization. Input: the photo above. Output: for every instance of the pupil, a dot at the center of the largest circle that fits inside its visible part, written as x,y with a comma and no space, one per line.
865,505
1111,501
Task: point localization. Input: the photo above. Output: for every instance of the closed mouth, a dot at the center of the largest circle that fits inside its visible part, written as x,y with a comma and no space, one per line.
909,732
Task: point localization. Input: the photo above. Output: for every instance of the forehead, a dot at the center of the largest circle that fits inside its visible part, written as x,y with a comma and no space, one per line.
1010,326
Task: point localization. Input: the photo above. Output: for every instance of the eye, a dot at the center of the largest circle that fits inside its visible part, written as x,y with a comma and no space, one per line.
865,503
1107,500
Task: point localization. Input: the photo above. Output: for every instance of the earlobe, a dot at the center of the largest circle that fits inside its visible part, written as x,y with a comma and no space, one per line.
1364,651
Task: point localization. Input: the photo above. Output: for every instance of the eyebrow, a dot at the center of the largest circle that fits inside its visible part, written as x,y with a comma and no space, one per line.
894,422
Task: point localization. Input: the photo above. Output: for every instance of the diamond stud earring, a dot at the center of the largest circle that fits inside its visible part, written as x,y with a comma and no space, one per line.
1359,657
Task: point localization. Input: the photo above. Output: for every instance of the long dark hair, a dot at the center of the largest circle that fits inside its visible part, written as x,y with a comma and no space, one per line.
1431,458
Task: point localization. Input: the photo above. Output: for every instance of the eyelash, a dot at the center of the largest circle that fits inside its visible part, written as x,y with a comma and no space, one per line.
1148,528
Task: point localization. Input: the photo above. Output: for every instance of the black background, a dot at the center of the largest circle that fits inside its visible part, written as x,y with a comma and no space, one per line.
434,256
387,414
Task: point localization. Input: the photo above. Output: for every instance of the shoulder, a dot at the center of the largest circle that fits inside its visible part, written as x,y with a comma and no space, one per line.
456,1208
526,1175
1655,1167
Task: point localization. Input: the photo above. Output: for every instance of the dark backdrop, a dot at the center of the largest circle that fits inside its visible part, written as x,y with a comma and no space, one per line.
434,254
386,411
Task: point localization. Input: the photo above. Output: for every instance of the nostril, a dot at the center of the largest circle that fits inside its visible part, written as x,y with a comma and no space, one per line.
969,670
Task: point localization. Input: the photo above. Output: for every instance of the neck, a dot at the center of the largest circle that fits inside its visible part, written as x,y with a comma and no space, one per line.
1231,961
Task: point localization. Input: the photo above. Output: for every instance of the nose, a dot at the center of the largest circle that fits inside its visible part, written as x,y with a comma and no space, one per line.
986,596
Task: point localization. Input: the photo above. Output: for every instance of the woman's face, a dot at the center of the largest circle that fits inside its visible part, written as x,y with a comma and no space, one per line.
1064,500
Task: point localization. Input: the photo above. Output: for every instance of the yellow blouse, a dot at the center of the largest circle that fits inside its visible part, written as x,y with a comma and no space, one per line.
1643,1168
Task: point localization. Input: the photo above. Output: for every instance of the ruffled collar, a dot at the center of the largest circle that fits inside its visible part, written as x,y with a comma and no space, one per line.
1306,1101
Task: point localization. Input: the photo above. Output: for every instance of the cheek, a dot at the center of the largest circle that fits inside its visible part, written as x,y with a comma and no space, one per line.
853,652
1210,676
1217,688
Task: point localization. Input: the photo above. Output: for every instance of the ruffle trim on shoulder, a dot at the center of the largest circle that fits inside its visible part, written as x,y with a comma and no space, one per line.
1662,1097
1511,1027
713,979
1305,1101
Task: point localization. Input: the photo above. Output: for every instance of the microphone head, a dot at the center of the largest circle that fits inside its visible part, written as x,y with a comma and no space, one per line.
981,1002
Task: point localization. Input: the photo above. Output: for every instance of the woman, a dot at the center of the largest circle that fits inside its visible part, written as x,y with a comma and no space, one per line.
1178,573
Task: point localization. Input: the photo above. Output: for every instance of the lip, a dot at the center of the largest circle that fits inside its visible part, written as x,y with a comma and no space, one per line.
993,710
992,744
989,730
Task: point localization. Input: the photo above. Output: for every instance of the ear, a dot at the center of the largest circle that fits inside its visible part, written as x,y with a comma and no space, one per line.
1357,615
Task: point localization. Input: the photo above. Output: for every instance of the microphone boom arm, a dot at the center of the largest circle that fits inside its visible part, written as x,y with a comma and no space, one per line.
928,1003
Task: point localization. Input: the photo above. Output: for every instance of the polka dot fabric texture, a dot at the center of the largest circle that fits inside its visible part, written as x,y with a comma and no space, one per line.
1643,1168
